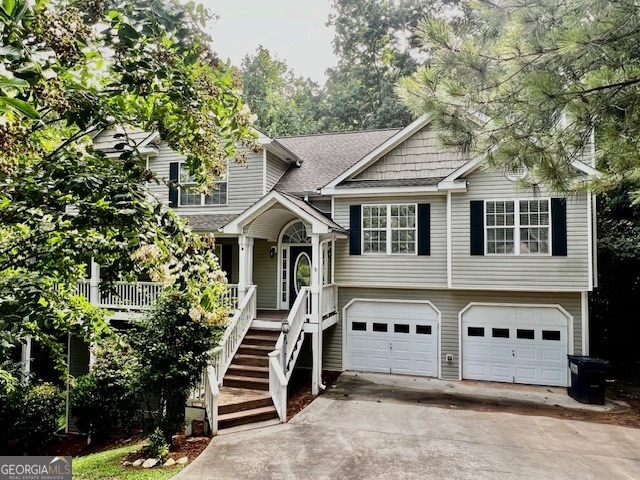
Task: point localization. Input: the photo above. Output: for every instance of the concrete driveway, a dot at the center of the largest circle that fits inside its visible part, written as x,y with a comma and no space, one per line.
372,437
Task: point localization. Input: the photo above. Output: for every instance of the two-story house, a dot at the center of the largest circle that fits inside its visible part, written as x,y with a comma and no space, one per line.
403,257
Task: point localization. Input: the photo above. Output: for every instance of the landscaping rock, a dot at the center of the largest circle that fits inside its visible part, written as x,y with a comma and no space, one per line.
197,439
127,463
182,461
169,463
138,462
150,463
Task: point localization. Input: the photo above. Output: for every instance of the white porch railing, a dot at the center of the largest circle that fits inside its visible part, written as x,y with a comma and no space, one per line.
286,353
209,387
135,296
138,296
329,299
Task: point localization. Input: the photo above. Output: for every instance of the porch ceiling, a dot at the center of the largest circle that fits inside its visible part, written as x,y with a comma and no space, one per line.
270,223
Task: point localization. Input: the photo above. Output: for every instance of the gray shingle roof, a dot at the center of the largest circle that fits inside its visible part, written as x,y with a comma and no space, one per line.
399,182
326,156
209,223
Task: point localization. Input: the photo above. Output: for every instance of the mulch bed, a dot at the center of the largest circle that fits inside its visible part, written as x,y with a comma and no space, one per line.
299,394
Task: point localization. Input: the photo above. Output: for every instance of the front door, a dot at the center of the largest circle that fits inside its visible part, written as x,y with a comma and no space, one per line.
299,271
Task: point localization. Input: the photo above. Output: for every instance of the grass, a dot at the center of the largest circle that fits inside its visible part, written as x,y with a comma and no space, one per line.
108,465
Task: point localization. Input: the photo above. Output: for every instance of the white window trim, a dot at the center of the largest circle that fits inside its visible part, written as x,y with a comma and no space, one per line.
202,195
388,228
517,227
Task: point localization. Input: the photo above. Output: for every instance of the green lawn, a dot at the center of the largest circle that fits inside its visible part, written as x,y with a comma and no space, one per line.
107,465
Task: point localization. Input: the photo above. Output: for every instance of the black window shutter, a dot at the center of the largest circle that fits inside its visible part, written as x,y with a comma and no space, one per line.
226,262
477,227
174,172
559,226
355,230
424,229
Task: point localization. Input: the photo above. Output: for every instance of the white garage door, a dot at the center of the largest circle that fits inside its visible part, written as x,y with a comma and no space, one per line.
519,344
392,337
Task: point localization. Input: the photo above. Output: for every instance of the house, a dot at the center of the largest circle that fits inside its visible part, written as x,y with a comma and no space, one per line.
383,252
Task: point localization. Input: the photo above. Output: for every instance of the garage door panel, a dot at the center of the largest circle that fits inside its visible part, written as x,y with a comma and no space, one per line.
399,338
522,344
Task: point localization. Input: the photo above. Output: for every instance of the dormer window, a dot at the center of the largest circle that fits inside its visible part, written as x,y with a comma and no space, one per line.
189,197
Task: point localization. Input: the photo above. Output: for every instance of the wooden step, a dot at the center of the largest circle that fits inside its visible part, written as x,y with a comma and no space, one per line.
248,371
245,349
264,332
242,406
251,359
247,416
251,383
250,339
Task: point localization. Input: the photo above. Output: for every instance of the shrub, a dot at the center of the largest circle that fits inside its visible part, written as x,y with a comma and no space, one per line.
107,399
39,416
172,344
158,447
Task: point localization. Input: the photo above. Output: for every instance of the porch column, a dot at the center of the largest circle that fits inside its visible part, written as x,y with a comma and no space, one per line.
316,314
26,359
245,260
94,284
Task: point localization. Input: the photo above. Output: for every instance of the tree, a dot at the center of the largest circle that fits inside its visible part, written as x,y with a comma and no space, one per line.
375,47
283,103
68,69
530,82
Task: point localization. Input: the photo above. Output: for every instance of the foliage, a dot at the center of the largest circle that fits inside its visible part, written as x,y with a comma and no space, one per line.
528,82
158,446
613,303
39,411
283,103
172,345
108,464
107,399
375,47
63,76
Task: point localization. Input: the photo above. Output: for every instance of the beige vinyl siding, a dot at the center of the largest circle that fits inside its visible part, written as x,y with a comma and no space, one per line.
275,169
244,184
420,156
381,269
525,272
321,203
265,274
450,303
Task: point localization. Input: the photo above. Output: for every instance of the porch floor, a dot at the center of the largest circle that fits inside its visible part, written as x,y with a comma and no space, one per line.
232,396
272,315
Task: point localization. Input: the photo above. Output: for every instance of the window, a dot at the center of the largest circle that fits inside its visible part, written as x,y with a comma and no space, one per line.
359,326
475,331
500,332
389,229
523,222
526,334
379,327
190,197
423,329
553,335
401,328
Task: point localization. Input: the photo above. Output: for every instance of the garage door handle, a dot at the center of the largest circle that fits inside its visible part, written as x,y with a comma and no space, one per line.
513,353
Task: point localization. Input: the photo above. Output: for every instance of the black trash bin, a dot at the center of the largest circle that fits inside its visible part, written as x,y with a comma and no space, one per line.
588,378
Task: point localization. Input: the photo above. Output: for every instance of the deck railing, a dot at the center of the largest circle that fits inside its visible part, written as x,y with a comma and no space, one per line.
137,296
329,299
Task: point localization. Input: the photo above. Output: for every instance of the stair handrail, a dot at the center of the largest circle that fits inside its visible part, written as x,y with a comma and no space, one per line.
285,355
211,393
235,333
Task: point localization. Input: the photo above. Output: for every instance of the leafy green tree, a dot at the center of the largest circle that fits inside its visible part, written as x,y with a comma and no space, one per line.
72,68
530,82
375,47
283,103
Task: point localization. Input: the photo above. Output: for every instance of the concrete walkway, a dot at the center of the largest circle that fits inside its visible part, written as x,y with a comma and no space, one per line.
372,435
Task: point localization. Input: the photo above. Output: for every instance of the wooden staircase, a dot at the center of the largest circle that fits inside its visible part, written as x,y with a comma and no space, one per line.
245,396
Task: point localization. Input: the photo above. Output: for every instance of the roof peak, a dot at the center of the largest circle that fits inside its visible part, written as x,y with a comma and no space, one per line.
340,133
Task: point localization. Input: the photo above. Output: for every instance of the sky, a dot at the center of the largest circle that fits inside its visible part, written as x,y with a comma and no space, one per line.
292,30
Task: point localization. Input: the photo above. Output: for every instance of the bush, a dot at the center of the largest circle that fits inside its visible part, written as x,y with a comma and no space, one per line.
158,447
39,416
107,399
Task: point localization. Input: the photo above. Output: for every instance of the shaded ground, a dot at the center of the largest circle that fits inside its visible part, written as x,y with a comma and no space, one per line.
299,393
350,388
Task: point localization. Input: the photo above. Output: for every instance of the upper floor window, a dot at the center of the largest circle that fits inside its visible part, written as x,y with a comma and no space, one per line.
521,223
389,229
189,197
